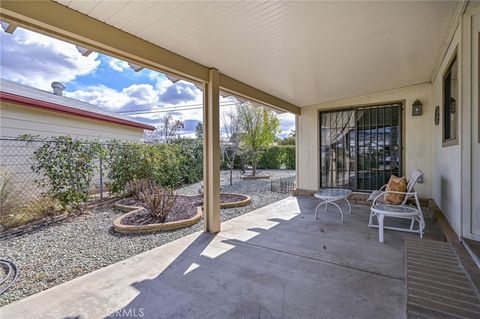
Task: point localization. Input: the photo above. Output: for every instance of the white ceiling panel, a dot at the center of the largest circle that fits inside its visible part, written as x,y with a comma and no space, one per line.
303,52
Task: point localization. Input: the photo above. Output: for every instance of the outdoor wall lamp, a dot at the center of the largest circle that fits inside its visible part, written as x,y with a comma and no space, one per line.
417,108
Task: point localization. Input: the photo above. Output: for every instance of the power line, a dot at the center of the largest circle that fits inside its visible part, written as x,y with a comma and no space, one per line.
141,110
173,109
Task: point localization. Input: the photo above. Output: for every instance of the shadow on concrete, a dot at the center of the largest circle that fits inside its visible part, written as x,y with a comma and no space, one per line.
288,265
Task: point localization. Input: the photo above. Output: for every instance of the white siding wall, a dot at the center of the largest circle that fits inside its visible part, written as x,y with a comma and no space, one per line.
447,160
16,120
417,137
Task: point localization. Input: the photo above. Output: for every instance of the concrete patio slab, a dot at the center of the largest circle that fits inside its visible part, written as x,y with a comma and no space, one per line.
275,262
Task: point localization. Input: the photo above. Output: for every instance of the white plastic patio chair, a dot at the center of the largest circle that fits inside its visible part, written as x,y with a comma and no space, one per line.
404,210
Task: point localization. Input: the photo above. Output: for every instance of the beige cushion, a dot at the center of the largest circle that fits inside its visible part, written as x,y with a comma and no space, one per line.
398,184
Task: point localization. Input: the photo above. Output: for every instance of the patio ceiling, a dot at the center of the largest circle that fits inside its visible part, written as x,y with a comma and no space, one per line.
303,53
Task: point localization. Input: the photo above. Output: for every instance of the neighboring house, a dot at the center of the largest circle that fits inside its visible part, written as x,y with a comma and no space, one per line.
26,110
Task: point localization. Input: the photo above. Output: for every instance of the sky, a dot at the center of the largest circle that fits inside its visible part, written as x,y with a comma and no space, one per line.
37,60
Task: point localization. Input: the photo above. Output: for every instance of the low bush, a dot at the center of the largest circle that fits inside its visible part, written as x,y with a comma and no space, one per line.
190,153
159,201
165,165
136,187
274,157
278,156
271,158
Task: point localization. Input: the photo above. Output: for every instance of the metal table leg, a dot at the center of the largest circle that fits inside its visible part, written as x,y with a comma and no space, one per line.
326,202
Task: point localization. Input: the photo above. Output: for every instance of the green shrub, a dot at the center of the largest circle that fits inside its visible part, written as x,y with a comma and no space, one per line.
274,157
278,156
288,157
240,157
66,166
191,159
166,165
271,158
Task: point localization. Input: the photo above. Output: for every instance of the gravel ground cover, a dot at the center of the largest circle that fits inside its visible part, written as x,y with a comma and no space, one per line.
58,253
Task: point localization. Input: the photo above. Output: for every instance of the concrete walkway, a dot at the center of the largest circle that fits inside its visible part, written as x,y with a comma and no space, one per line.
276,262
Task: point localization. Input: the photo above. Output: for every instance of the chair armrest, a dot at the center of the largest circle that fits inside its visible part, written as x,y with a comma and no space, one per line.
414,194
383,187
397,192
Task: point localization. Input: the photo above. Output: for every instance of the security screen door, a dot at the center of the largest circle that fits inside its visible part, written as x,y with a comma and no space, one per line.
360,147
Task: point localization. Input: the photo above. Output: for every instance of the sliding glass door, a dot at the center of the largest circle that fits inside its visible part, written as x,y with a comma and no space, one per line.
360,147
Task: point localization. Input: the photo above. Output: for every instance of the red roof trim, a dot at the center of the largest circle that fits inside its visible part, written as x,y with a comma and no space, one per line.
5,96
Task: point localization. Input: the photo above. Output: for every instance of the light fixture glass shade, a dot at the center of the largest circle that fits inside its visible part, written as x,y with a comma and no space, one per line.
417,108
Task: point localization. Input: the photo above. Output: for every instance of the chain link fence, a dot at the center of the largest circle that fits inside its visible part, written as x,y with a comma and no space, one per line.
282,185
18,179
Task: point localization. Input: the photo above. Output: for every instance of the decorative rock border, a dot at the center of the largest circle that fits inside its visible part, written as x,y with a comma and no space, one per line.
150,228
250,177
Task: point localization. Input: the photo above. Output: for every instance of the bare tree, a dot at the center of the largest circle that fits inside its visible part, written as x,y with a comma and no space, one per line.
199,130
231,143
166,130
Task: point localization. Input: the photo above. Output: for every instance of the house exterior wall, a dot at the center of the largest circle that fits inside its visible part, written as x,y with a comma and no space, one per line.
17,119
15,156
417,134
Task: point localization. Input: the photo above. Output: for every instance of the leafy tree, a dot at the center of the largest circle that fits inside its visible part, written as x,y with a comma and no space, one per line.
289,140
165,132
259,128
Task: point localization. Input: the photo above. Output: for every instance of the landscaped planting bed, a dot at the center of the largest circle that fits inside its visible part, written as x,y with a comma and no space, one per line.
81,244
186,211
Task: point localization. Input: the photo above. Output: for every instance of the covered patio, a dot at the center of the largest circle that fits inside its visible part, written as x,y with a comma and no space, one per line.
276,262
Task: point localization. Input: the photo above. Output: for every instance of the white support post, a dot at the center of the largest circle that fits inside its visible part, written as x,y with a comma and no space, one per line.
211,152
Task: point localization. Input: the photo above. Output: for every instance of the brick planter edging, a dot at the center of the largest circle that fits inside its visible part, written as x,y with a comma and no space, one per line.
250,177
150,228
241,203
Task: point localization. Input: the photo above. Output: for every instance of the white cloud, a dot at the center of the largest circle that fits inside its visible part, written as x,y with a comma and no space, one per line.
118,65
37,60
133,97
287,124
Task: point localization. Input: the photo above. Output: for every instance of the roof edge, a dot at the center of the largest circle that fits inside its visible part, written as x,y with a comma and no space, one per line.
5,96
